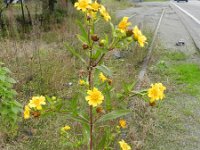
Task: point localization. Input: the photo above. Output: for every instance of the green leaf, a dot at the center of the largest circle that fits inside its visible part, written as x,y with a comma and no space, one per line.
10,80
82,39
105,70
2,77
6,70
113,115
79,119
86,132
112,27
82,29
73,51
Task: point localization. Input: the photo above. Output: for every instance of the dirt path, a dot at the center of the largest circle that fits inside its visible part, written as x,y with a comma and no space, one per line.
177,123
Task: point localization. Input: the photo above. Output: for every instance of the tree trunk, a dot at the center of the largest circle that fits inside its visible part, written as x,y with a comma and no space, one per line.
52,5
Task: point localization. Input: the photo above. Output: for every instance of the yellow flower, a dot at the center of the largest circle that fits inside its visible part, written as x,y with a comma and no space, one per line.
92,14
124,24
95,97
102,77
138,36
142,40
27,112
124,145
65,128
82,82
156,92
122,123
36,102
95,6
104,13
136,33
82,5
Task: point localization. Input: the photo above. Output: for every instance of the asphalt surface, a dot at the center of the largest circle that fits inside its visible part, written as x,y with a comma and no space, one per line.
190,15
181,21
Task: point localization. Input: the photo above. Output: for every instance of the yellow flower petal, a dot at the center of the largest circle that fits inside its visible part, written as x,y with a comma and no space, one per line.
36,102
124,145
95,97
124,24
102,77
122,123
27,112
156,92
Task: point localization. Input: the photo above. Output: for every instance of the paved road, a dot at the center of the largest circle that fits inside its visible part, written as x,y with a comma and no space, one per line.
190,14
192,7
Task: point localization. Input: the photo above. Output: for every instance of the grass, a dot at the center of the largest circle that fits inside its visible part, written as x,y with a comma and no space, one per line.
114,5
176,56
187,73
172,128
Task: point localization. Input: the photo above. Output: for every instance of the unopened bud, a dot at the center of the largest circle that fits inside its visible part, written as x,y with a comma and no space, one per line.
109,81
152,104
129,32
102,43
85,46
88,18
35,114
100,110
95,38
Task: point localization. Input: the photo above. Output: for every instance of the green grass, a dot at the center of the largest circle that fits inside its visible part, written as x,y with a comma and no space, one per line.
176,56
186,73
182,79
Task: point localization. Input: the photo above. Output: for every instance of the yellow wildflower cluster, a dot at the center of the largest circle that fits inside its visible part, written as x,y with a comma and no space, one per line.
156,92
137,34
36,103
124,145
95,97
92,8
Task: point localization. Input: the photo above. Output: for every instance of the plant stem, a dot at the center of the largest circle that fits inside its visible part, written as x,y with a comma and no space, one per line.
90,68
90,109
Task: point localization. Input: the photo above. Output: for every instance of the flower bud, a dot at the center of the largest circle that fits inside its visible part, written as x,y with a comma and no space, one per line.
152,104
109,81
85,46
35,114
94,37
129,32
102,43
88,18
100,110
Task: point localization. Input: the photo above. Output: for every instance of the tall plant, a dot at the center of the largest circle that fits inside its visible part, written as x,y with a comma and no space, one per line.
92,107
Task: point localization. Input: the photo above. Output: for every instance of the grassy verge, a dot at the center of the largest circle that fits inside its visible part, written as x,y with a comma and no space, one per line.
177,122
